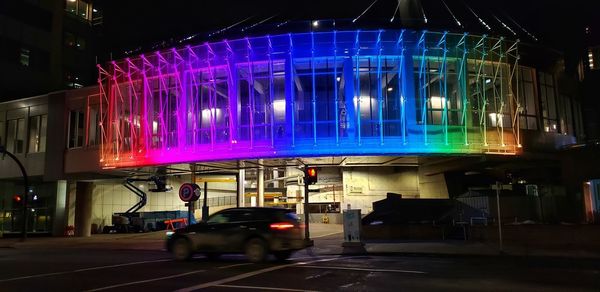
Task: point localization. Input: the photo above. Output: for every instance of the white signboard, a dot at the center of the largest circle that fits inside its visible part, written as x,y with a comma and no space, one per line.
352,224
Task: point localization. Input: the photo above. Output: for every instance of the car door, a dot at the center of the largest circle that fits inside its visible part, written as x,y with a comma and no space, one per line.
210,237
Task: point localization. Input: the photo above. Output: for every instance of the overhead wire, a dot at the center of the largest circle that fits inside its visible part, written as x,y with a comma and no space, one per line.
355,19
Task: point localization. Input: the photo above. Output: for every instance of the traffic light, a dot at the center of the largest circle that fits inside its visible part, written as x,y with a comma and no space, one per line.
17,200
311,176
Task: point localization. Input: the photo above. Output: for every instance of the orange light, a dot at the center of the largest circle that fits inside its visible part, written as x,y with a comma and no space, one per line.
281,226
17,198
312,172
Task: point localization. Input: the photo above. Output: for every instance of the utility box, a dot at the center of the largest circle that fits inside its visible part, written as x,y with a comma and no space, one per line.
352,226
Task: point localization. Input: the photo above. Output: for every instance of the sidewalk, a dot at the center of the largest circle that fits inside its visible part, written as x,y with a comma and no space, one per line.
328,239
332,244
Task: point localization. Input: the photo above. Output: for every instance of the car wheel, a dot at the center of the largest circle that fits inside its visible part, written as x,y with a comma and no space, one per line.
181,249
212,256
256,250
282,255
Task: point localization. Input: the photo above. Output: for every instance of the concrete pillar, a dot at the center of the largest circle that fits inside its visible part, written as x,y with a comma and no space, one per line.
240,185
277,183
83,209
260,184
60,211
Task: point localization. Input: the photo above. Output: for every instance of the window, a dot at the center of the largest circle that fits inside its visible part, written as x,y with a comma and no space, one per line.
94,122
71,6
24,57
37,133
527,100
548,99
76,121
80,8
441,89
2,134
15,136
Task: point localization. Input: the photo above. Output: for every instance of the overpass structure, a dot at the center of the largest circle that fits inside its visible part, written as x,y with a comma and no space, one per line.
332,93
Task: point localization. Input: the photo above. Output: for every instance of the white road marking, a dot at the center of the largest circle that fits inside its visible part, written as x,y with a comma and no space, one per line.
247,275
82,270
362,269
121,265
236,265
323,235
258,288
144,281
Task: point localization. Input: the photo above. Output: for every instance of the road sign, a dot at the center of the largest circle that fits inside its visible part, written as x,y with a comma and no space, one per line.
189,192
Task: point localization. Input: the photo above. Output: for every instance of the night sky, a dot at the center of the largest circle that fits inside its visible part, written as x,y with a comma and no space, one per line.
133,24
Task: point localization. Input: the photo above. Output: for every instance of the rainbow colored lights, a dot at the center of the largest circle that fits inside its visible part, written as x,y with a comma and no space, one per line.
312,94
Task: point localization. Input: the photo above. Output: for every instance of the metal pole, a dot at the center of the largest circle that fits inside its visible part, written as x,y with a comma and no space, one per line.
498,187
306,227
204,205
191,204
25,194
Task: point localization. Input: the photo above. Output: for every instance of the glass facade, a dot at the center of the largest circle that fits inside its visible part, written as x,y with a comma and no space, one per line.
326,93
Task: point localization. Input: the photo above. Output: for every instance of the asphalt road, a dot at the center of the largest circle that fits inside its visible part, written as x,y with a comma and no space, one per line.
115,267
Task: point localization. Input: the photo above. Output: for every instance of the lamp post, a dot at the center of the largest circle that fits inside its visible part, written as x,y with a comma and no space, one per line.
26,190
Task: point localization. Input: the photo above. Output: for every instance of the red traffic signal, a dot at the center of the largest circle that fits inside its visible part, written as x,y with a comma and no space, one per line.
17,199
311,176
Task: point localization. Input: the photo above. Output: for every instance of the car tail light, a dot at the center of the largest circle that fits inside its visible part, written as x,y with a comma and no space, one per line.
281,226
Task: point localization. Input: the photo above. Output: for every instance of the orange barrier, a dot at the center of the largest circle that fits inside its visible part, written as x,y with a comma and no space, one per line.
170,222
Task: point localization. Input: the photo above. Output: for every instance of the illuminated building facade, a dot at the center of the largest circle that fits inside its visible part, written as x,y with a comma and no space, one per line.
384,92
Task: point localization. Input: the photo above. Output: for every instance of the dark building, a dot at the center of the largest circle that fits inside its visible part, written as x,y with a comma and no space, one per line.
47,45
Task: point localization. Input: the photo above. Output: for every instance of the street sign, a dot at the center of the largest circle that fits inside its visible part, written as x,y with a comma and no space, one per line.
189,192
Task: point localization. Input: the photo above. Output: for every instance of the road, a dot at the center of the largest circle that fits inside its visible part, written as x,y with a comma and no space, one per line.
121,267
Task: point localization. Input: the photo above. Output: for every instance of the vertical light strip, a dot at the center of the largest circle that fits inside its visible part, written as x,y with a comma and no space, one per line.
292,91
462,81
379,88
251,99
335,90
401,85
357,87
314,89
271,92
423,83
443,75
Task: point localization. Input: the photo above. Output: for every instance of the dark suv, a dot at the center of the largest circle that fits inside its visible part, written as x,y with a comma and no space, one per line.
253,231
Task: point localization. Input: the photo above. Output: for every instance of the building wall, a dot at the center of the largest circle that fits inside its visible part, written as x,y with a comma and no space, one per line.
110,196
364,185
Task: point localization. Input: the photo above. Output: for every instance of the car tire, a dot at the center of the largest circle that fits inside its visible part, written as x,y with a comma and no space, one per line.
181,249
282,255
256,250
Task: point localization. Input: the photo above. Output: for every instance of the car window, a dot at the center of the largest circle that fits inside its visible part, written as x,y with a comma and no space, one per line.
218,218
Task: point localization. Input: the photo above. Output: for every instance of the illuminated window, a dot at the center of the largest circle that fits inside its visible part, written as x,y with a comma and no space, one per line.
37,133
15,136
79,8
441,90
527,100
24,57
71,6
548,99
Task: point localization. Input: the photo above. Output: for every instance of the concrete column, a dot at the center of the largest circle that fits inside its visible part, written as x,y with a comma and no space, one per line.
240,185
83,209
60,212
260,184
